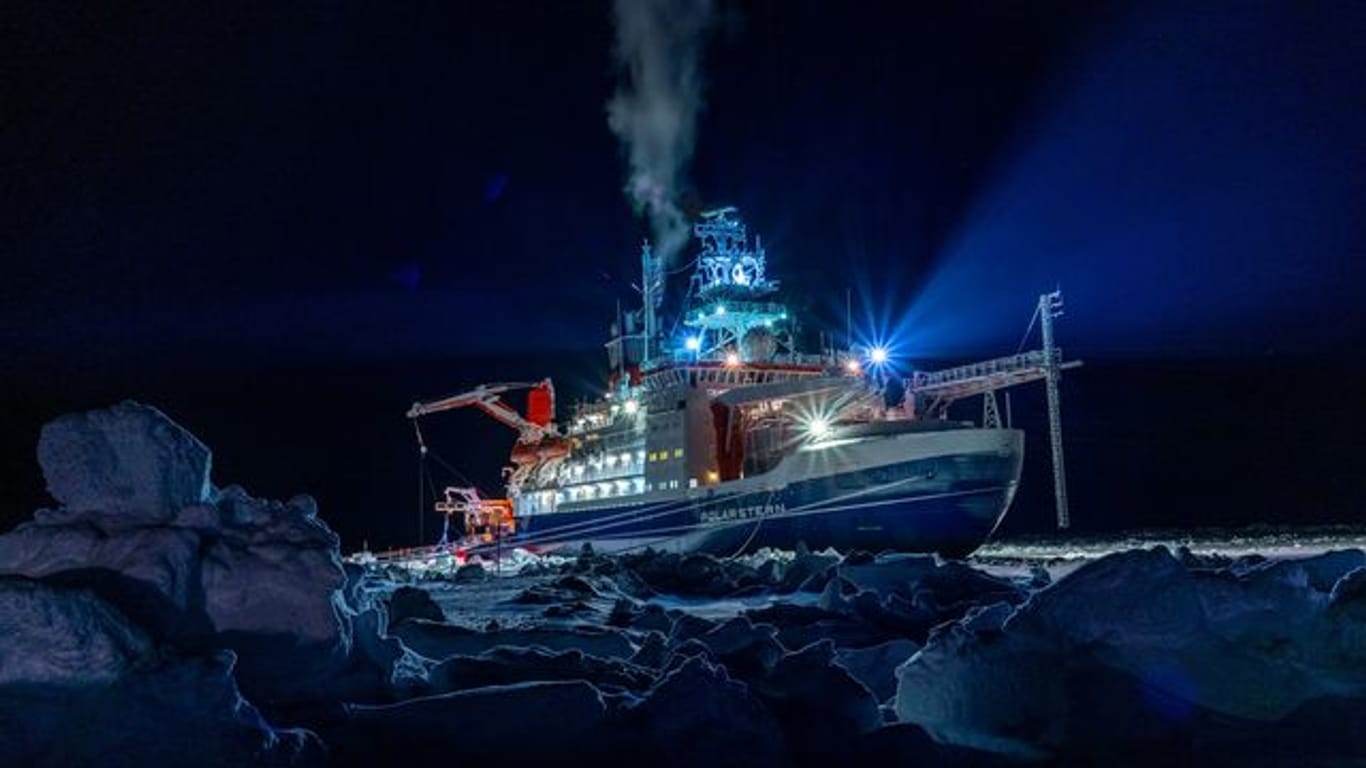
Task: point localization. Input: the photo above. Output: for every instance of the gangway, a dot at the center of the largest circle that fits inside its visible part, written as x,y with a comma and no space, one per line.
941,388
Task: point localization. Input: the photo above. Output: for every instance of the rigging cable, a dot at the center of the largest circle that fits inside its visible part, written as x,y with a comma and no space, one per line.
460,476
421,481
689,265
426,482
678,318
757,522
1028,330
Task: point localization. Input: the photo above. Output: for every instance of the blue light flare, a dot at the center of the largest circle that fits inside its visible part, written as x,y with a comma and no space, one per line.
1145,187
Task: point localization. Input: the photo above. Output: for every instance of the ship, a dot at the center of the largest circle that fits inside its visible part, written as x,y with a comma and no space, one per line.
716,432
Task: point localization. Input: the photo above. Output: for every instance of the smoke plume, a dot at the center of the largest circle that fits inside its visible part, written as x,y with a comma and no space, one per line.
654,111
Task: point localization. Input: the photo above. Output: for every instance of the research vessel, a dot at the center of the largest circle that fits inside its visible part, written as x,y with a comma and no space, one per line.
716,432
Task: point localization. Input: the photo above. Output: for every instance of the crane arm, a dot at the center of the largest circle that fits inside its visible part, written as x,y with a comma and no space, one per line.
505,414
481,393
486,398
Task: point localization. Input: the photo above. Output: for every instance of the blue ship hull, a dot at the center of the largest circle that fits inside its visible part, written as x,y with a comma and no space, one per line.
945,504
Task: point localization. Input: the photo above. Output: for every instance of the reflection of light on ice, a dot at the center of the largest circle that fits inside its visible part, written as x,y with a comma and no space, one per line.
1064,553
722,608
512,561
783,556
440,562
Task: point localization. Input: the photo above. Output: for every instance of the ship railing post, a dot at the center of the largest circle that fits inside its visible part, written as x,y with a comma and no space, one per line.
991,416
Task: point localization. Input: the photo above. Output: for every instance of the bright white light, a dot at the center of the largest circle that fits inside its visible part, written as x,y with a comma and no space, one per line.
852,366
732,359
692,343
878,355
818,428
721,310
632,406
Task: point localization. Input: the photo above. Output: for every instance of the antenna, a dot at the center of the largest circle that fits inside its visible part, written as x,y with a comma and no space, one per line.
651,296
621,340
848,318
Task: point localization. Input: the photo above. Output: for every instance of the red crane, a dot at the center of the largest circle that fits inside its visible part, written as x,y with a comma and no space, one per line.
539,442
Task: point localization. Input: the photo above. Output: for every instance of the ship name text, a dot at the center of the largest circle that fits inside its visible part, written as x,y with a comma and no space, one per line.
741,513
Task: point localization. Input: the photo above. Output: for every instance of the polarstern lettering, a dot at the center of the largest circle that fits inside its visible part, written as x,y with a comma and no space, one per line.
741,513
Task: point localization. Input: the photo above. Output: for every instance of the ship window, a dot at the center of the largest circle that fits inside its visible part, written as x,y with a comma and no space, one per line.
678,453
692,482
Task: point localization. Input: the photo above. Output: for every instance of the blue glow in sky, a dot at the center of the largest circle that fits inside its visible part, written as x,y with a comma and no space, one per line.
1188,183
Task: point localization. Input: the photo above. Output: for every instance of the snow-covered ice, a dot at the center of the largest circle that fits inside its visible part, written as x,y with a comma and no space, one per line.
1167,651
81,685
141,526
128,465
63,637
154,618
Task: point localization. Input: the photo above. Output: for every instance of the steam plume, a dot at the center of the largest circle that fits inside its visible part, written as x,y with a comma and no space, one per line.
654,111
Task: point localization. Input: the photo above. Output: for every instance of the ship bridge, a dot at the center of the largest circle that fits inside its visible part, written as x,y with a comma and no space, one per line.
730,313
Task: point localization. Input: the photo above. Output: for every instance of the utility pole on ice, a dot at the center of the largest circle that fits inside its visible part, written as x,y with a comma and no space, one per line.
1050,306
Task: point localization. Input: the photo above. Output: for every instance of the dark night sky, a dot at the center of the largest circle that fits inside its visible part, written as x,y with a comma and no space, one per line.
283,222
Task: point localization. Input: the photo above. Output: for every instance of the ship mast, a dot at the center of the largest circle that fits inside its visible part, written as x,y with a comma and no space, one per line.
651,294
